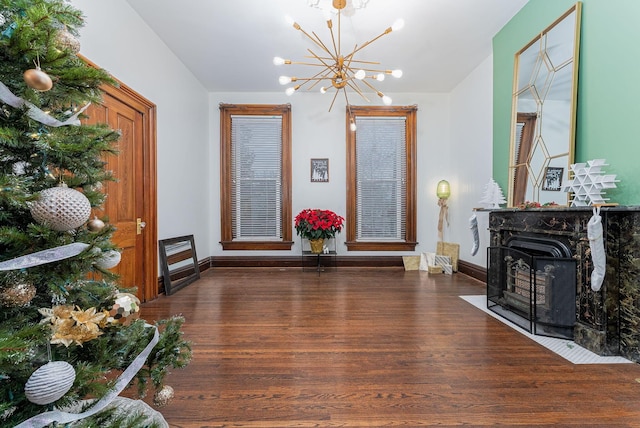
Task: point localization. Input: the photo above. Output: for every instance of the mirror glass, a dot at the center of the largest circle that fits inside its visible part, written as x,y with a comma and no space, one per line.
543,113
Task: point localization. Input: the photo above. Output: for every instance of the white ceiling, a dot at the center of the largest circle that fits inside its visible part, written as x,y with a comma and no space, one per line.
229,45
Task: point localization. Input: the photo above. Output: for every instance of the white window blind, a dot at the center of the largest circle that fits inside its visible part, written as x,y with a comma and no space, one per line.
380,178
519,131
256,165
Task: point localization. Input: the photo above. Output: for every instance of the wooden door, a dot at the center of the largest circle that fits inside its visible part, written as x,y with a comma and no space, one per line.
131,201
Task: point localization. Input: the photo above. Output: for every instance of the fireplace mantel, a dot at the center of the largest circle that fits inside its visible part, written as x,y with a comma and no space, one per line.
606,320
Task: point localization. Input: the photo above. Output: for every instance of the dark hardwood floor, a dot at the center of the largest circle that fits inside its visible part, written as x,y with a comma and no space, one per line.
371,348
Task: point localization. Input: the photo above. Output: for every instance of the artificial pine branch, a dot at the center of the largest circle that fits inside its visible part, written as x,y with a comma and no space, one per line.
35,157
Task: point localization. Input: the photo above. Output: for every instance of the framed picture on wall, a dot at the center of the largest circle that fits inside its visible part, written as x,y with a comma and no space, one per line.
553,178
320,170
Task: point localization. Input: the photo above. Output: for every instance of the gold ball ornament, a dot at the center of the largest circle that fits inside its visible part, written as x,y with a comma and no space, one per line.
95,225
37,79
125,309
162,397
50,382
61,208
17,295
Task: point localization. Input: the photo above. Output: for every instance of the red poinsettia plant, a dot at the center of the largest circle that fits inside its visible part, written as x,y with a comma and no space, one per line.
313,223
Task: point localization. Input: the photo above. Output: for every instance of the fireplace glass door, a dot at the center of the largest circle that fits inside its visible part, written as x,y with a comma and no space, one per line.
534,290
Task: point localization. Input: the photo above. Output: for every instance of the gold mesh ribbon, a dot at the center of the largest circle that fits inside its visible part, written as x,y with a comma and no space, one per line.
444,216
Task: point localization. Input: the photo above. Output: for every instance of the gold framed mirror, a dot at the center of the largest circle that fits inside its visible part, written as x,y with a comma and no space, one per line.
543,113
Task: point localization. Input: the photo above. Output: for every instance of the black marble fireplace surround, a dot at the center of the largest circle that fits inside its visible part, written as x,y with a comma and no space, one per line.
607,322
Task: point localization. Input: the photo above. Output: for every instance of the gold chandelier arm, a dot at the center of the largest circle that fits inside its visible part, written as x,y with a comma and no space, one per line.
317,78
373,88
333,40
334,99
323,46
385,32
356,61
323,62
308,63
317,40
346,97
325,76
353,85
352,60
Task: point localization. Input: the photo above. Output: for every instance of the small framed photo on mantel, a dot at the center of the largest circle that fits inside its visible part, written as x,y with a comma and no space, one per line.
553,179
320,170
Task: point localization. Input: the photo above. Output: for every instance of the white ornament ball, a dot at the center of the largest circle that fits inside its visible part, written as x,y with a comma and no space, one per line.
163,396
125,309
61,208
50,382
67,41
109,259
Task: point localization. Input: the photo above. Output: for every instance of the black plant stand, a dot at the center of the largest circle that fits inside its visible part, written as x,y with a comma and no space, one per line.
319,262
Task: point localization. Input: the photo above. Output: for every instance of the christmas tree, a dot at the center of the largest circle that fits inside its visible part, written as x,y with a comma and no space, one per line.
492,196
71,336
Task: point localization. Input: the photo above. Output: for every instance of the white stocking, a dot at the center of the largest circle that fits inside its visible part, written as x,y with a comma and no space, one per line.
473,225
596,243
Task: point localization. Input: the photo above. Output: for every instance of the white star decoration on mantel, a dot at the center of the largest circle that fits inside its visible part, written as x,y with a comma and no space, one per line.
589,183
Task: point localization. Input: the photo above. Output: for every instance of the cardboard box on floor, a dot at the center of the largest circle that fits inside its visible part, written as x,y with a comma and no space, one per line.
450,250
411,262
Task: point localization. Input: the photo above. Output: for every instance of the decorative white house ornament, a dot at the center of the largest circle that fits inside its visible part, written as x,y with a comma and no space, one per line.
589,183
492,196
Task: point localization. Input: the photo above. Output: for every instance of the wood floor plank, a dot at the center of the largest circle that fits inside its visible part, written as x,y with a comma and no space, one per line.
371,348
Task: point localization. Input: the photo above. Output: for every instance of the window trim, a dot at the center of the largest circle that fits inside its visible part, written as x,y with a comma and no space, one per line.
409,243
226,226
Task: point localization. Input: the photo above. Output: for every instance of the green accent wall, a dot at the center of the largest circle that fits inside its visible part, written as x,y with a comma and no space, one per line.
608,87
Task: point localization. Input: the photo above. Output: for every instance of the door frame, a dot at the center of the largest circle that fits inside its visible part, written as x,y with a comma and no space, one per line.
147,110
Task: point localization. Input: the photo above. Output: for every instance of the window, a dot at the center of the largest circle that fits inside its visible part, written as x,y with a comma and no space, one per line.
381,177
255,177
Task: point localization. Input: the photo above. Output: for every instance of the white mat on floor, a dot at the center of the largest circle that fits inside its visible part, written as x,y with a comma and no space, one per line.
567,349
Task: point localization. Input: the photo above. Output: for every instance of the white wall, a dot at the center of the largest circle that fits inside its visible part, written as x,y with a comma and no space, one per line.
318,133
471,141
188,138
132,53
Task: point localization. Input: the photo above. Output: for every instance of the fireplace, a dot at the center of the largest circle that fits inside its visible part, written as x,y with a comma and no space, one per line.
550,245
535,284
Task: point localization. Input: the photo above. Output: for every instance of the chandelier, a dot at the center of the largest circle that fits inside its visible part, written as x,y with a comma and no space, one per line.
337,71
